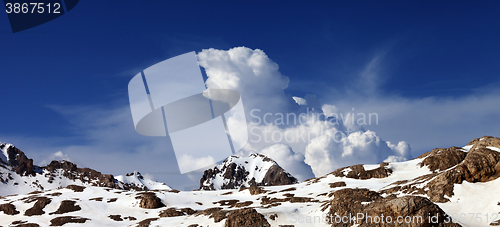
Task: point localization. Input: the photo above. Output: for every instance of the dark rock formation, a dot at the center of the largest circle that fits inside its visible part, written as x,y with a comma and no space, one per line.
18,161
453,166
441,159
116,217
370,209
60,221
174,212
337,184
217,213
149,200
76,188
146,222
237,176
246,217
37,208
277,176
24,224
67,206
9,209
359,172
86,175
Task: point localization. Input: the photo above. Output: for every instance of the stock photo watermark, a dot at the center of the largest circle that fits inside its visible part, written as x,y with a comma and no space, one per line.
293,127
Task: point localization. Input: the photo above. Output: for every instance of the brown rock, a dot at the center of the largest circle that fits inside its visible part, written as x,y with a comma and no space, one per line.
37,208
481,164
67,206
241,204
116,217
441,159
9,209
86,175
277,176
76,188
354,202
338,184
359,172
174,212
254,190
246,217
485,141
18,161
60,221
24,224
217,213
146,222
150,201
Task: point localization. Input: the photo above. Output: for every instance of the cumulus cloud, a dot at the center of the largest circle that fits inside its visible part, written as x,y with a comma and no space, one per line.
293,129
251,73
325,153
289,160
189,160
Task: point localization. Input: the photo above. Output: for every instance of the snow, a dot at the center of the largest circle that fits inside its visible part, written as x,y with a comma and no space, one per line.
370,167
467,148
5,157
494,148
478,199
474,200
135,179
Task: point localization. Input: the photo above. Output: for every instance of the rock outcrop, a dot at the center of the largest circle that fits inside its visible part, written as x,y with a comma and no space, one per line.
453,166
16,159
246,217
367,208
359,172
149,200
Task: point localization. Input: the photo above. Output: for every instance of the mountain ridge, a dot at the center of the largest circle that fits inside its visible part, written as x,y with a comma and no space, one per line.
434,189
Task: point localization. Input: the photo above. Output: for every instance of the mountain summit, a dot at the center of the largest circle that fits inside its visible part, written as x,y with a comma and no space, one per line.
240,172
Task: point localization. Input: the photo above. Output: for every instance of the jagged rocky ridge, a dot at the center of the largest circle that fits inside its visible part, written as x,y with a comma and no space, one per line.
19,175
239,172
431,190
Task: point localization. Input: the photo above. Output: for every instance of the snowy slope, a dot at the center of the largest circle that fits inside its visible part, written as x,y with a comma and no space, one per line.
135,179
59,174
469,202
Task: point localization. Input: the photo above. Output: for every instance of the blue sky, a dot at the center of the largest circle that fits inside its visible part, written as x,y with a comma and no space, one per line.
423,55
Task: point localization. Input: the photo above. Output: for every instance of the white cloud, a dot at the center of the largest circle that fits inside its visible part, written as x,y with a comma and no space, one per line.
329,110
261,85
189,160
251,73
289,160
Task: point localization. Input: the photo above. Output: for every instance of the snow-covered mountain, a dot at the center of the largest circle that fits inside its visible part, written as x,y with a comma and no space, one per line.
18,175
136,181
457,186
239,172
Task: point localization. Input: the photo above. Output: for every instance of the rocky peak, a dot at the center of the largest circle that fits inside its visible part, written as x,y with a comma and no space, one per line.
238,172
16,171
86,175
16,159
485,142
440,159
